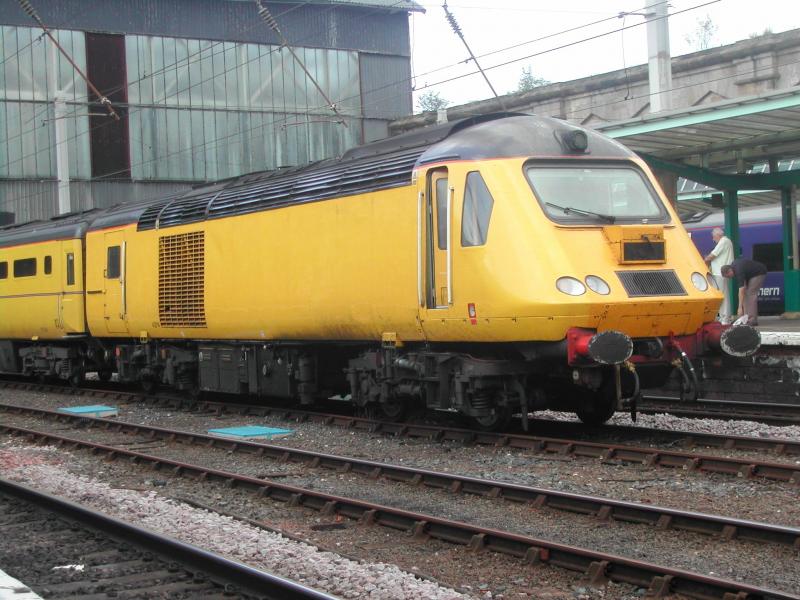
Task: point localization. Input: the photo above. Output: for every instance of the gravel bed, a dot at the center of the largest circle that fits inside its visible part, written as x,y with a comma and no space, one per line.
675,423
362,565
222,534
763,565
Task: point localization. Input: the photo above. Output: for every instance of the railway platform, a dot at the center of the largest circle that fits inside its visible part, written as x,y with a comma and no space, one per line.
778,331
771,376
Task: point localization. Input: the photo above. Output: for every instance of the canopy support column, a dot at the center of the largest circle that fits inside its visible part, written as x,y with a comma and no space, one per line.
732,231
791,274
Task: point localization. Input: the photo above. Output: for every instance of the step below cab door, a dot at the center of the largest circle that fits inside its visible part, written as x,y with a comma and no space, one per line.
114,283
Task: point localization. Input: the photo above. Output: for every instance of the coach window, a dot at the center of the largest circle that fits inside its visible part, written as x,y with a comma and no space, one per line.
48,265
112,263
477,212
25,267
3,270
70,268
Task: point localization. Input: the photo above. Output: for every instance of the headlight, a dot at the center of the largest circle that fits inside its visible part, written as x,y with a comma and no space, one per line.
711,281
597,285
699,282
570,285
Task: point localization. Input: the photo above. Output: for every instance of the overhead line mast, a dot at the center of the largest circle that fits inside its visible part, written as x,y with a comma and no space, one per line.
28,8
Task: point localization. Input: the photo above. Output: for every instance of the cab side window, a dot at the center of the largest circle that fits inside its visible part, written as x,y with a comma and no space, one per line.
3,270
48,265
477,211
112,262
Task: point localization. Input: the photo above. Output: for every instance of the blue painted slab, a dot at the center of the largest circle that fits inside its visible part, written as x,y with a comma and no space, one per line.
94,410
252,431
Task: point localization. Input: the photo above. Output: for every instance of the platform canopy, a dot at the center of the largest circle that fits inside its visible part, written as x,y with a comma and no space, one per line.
718,144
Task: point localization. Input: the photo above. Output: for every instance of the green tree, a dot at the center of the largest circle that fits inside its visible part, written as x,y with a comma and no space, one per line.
431,101
755,34
528,81
703,35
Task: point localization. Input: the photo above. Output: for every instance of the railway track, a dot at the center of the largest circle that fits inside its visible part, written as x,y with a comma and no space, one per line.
41,531
596,566
724,528
603,450
772,413
689,439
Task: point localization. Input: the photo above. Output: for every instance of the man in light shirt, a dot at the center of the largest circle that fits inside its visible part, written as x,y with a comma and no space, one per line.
722,254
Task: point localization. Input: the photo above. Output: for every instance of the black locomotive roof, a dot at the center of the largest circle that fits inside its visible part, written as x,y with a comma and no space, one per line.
380,165
384,164
69,226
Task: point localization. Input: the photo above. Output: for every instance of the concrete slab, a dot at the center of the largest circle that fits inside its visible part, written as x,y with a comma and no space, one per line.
94,410
249,432
14,589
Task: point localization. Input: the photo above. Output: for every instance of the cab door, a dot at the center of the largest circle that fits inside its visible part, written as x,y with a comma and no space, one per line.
439,213
114,308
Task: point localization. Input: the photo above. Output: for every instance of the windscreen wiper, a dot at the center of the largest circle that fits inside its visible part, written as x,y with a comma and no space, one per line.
579,211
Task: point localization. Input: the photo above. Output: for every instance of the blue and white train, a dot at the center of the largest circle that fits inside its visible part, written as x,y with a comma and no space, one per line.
760,238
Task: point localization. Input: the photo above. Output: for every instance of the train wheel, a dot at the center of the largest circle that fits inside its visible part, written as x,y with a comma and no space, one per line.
393,410
104,375
149,385
76,379
499,419
596,407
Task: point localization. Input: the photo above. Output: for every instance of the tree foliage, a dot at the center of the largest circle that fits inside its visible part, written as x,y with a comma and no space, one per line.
431,101
528,81
702,37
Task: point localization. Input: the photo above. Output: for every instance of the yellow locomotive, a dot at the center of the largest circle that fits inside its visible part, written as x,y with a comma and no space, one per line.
494,265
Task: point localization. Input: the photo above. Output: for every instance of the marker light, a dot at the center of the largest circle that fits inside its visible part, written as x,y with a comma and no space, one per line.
597,285
570,286
711,281
699,282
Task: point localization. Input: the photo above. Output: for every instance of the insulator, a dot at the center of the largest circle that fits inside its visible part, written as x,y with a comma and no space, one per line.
451,18
28,8
264,13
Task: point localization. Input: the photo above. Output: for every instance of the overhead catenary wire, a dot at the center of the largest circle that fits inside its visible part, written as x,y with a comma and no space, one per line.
206,145
390,85
239,133
217,141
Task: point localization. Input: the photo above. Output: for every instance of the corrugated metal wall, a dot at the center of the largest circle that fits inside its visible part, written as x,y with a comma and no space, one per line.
245,107
304,24
385,83
33,200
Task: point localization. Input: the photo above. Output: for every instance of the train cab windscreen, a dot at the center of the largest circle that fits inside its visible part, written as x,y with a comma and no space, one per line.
583,194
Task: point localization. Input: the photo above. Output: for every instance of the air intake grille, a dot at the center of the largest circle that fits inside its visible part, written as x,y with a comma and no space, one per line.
651,283
181,280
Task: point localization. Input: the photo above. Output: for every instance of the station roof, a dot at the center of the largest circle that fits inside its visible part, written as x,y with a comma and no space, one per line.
722,136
